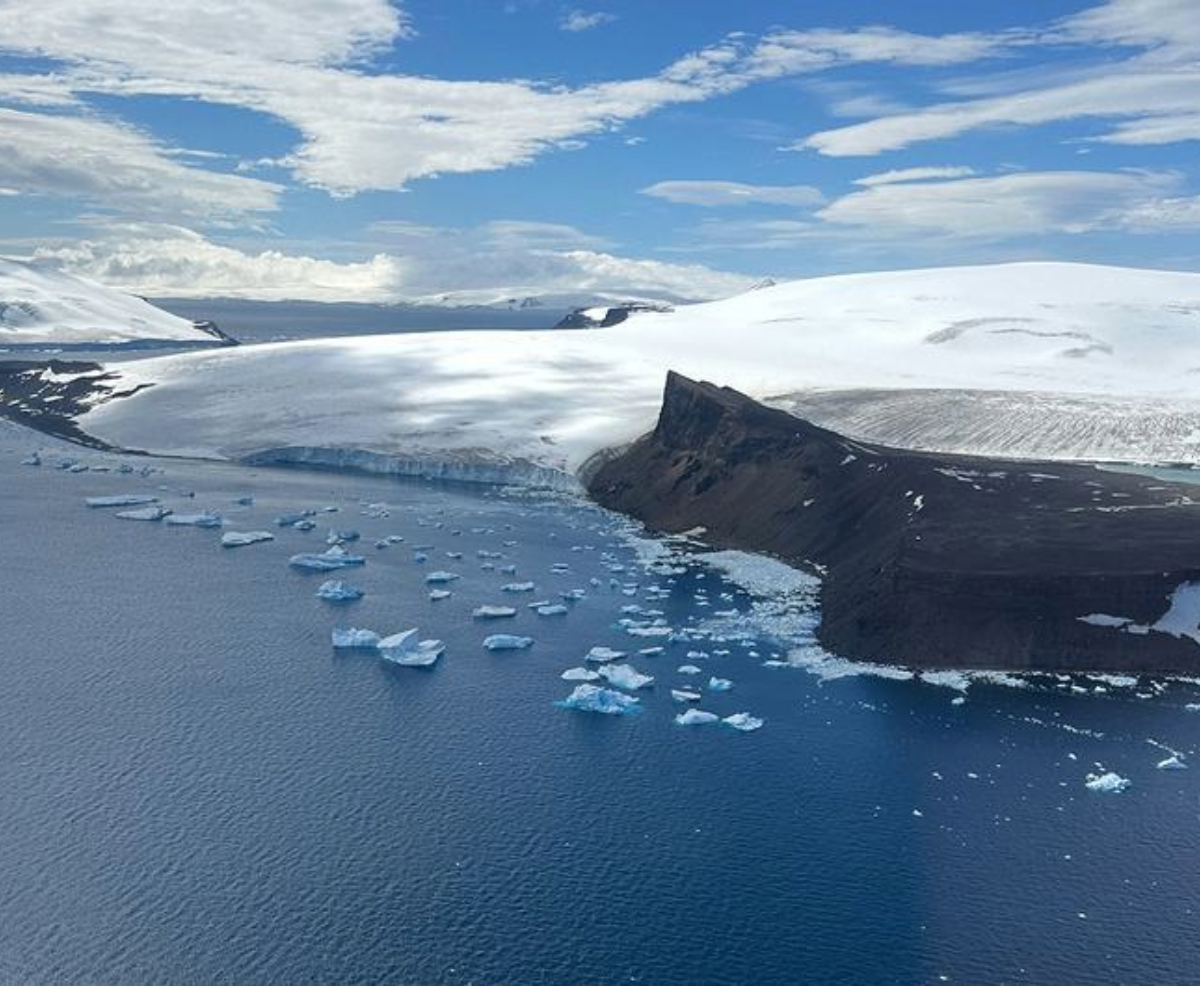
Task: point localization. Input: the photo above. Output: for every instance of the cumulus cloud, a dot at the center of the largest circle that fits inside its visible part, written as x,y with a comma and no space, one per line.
732,193
578,20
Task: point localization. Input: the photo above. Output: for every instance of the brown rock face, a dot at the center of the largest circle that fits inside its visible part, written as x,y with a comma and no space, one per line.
928,560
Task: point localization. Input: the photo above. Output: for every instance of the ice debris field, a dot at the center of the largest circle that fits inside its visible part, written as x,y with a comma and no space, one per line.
685,622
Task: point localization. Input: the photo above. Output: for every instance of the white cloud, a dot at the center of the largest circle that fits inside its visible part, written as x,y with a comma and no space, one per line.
116,167
425,263
732,193
577,20
914,174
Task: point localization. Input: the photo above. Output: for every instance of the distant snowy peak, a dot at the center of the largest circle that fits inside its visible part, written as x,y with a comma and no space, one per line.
43,307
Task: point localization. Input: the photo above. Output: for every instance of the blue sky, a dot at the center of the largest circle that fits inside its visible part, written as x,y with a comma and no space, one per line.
484,148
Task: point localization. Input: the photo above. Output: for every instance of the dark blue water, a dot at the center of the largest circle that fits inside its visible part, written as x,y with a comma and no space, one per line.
195,788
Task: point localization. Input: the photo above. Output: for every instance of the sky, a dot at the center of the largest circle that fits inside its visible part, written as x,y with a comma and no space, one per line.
475,150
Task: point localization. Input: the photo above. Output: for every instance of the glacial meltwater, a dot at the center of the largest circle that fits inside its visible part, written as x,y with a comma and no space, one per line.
196,787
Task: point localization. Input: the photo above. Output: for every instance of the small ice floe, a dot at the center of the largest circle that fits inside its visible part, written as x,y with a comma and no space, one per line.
336,591
517,587
506,641
624,676
959,700
606,701
1108,782
292,520
127,500
719,684
239,539
651,631
154,514
1173,762
695,717
78,467
573,595
33,459
579,674
336,536
420,557
441,578
688,669
327,561
205,520
601,654
404,648
436,594
552,609
743,722
382,543
679,695
345,637
394,539
493,612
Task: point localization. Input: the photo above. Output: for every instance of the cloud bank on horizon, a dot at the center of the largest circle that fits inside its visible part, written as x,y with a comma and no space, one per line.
361,149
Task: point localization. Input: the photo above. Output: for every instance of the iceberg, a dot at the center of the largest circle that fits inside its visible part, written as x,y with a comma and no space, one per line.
354,637
340,537
602,654
553,609
493,612
205,520
694,717
506,641
579,674
33,459
436,594
128,500
719,684
1173,762
335,591
1107,783
624,676
327,561
238,539
743,722
407,650
144,513
679,695
606,701
688,669
291,520
441,578
517,587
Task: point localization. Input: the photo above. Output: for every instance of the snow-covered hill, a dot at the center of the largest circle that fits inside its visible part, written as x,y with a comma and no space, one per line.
43,307
1036,360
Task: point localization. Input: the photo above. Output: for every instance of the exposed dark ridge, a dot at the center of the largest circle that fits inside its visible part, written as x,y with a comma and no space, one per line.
930,560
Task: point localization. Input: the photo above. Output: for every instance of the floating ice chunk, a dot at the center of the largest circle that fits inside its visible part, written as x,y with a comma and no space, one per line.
506,641
624,676
743,722
239,539
205,520
649,631
606,701
127,500
958,700
441,578
679,695
354,637
688,669
336,536
336,591
394,538
1104,620
579,674
1173,762
573,595
406,650
719,684
436,594
553,609
493,612
143,513
601,654
695,717
327,561
1107,783
651,651
33,459
290,520
517,587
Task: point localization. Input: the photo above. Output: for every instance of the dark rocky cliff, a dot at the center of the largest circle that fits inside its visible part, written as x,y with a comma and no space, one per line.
929,560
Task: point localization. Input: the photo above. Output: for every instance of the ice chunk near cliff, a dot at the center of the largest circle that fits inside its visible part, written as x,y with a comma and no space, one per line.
517,587
624,676
719,684
552,609
1173,762
204,520
144,513
606,701
121,500
1182,618
336,591
493,612
345,637
688,669
579,674
743,722
327,561
947,679
679,695
695,717
239,539
506,641
601,654
441,578
436,594
1107,783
